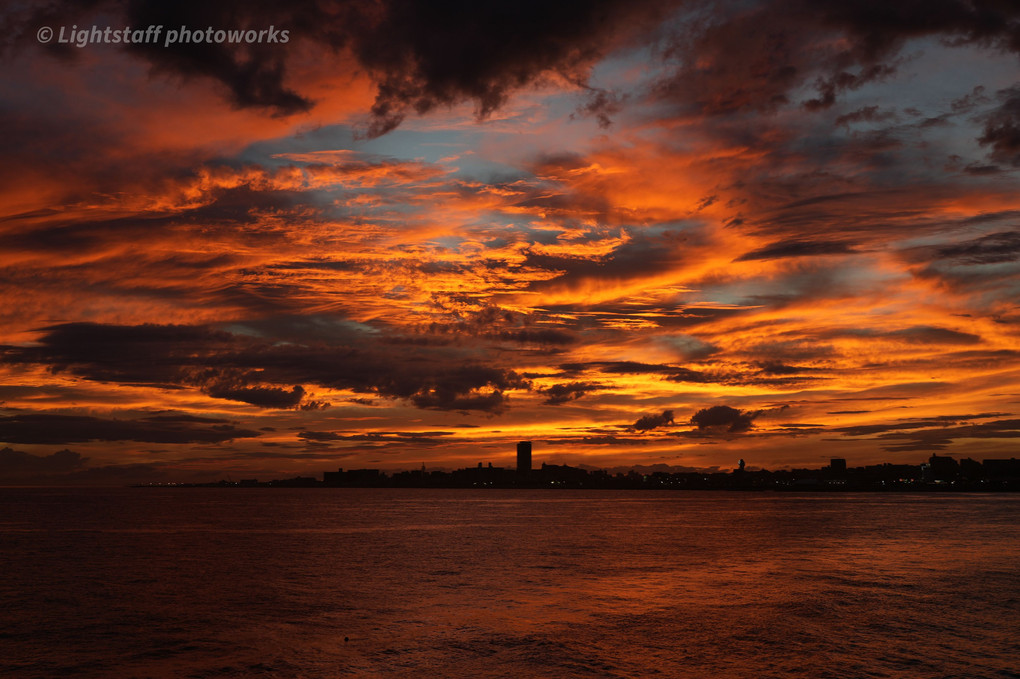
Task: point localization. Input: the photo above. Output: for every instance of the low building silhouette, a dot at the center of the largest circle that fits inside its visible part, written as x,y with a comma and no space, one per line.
562,475
353,477
1002,469
940,468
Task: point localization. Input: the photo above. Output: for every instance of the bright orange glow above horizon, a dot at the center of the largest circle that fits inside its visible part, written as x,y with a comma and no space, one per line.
366,249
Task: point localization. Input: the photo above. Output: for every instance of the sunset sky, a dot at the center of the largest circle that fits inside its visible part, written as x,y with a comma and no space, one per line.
635,233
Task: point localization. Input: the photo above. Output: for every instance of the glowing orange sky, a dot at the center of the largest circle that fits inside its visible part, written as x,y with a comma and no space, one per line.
379,254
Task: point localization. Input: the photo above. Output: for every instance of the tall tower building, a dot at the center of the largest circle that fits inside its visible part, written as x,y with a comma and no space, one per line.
524,457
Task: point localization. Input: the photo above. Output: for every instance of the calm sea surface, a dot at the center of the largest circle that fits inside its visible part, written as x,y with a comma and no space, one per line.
457,583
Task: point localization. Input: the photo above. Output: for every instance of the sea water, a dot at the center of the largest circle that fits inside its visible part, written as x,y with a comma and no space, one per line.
236,582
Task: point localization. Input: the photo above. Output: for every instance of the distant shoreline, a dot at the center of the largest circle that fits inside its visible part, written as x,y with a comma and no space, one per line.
899,488
939,475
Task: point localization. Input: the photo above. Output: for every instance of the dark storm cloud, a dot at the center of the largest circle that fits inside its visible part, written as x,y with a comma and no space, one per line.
672,373
653,421
253,74
428,377
942,421
830,86
318,454
82,235
421,55
918,334
938,439
667,316
870,429
866,114
406,437
778,368
252,370
751,56
1002,126
536,336
236,385
570,391
982,170
769,374
226,200
263,397
67,145
993,248
914,447
924,334
444,399
693,376
855,197
192,418
140,354
600,104
724,419
604,440
797,248
428,54
641,256
766,373
59,429
609,440
423,379
618,367
727,56
865,217
15,464
567,206
970,101
489,322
